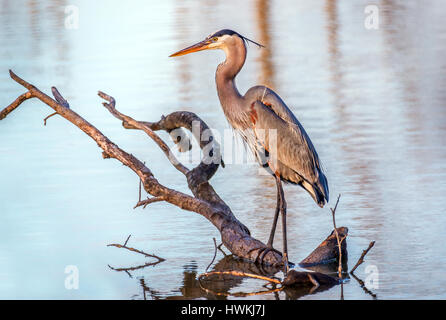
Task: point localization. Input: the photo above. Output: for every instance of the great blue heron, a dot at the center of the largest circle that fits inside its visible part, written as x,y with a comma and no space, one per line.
295,158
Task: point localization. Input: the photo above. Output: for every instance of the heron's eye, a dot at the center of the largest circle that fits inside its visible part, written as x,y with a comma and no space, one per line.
215,39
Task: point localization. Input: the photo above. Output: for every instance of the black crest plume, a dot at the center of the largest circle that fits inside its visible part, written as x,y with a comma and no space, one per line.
231,33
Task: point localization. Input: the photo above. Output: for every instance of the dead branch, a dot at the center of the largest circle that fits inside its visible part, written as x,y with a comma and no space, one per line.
128,269
215,255
111,107
46,118
205,201
333,213
148,201
126,241
124,246
361,258
15,104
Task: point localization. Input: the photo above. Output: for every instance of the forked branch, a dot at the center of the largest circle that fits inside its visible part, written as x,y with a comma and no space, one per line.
205,201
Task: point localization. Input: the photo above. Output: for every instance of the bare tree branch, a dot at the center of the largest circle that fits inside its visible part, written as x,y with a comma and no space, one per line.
205,201
148,201
361,258
111,107
333,213
148,255
15,104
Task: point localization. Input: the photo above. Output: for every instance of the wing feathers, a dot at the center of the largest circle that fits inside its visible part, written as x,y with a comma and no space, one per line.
293,147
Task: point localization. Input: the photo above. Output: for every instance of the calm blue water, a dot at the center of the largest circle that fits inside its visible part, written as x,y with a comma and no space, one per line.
373,102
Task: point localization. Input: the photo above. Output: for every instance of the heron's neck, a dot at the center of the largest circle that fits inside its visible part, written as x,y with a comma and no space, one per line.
228,94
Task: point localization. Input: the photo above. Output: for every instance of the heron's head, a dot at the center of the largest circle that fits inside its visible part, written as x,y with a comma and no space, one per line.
222,39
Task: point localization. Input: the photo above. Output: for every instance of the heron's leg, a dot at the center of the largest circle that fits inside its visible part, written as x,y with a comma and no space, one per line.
276,217
283,212
269,245
281,206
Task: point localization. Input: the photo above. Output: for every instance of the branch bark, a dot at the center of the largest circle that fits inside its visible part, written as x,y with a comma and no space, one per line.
205,201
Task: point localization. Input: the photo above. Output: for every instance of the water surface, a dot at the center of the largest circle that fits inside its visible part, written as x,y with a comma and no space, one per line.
372,101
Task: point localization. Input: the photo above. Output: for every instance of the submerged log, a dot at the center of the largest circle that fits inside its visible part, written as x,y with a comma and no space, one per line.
328,251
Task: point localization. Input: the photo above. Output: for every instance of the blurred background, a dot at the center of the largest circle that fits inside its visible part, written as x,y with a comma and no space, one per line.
372,100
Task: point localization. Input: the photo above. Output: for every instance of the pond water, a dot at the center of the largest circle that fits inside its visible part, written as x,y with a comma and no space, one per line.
372,100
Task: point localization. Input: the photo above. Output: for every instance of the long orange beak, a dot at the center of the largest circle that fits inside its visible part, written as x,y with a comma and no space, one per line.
202,45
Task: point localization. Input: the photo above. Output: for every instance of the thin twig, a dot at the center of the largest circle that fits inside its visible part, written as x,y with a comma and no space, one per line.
125,243
135,250
140,188
148,201
333,212
44,120
117,245
126,270
361,258
60,100
215,254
